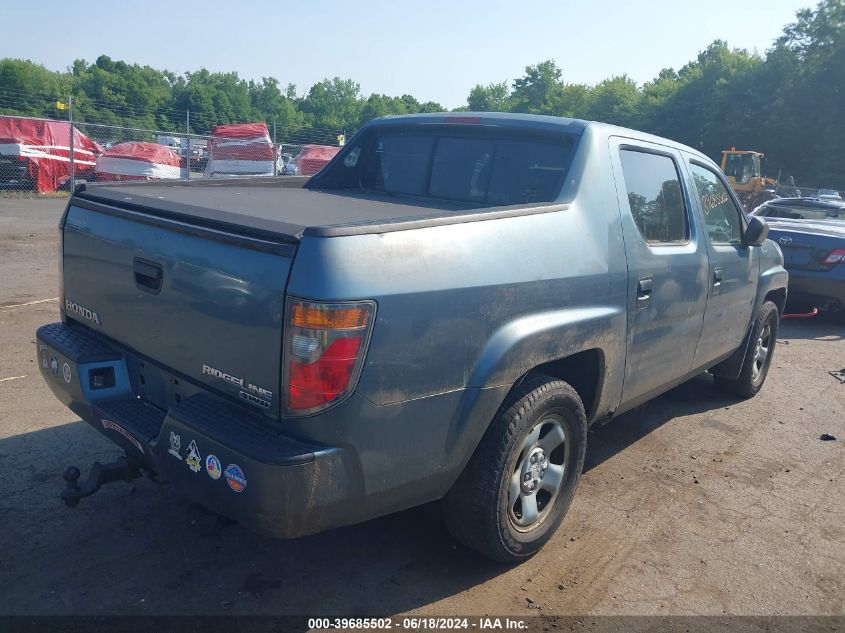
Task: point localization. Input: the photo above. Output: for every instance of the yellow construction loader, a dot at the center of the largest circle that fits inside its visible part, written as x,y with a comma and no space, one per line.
744,171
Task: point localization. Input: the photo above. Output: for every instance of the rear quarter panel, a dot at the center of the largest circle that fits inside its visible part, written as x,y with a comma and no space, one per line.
464,311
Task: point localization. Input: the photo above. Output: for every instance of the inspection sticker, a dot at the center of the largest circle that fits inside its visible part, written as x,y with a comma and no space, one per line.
235,478
213,467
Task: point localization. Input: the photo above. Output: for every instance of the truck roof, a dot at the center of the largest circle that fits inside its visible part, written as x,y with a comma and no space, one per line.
535,121
508,119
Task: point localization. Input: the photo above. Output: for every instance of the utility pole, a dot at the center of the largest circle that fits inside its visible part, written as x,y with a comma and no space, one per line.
70,125
187,144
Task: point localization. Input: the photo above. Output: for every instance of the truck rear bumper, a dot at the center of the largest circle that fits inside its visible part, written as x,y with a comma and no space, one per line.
231,461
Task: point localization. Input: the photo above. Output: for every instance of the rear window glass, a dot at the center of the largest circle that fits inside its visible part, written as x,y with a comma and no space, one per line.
399,164
484,169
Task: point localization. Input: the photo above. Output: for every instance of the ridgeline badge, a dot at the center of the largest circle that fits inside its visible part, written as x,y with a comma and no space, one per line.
257,393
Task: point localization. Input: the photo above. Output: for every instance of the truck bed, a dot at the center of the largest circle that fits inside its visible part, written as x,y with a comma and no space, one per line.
281,209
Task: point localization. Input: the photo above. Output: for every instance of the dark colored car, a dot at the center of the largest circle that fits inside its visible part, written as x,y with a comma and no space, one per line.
811,233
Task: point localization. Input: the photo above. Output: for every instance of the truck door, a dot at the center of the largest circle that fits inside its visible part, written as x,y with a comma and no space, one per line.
733,266
667,267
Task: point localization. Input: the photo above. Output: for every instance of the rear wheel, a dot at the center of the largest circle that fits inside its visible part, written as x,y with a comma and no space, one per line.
758,358
518,485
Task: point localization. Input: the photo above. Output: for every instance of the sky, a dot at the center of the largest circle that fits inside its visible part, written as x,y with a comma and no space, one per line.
435,50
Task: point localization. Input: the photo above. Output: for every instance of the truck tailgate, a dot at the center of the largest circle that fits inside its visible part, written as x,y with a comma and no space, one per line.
206,305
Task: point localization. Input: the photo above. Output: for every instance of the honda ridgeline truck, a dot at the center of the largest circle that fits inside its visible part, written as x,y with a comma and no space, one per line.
440,313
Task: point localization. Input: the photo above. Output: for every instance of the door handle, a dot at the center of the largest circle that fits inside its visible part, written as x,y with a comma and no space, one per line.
718,274
644,288
148,275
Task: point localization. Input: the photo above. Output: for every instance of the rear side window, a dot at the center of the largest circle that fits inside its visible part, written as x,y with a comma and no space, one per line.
527,171
484,169
655,197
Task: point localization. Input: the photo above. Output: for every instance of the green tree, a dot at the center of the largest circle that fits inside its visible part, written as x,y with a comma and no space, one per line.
806,70
539,91
117,93
615,100
494,97
277,109
334,104
711,102
787,104
378,105
30,89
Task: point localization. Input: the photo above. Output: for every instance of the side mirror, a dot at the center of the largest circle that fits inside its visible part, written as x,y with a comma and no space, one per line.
756,232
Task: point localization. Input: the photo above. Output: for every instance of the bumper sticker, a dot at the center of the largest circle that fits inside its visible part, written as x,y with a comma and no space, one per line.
194,460
66,372
175,445
45,357
54,365
235,478
213,467
114,426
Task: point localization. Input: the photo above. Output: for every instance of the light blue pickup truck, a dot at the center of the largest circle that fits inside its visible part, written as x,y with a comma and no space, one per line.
440,313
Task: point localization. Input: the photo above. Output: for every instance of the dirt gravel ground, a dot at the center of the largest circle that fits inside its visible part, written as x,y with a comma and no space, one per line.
693,504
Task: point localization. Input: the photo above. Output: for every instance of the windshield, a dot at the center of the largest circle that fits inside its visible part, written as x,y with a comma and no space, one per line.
742,167
474,166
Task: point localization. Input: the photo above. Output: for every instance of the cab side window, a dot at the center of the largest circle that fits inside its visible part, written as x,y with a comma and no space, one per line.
721,216
655,197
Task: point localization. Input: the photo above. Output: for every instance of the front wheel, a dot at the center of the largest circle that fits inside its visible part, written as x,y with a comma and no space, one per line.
520,481
758,357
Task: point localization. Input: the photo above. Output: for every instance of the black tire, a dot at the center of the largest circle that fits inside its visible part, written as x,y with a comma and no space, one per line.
753,373
477,509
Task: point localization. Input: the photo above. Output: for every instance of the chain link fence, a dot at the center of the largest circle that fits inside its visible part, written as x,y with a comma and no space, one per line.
41,156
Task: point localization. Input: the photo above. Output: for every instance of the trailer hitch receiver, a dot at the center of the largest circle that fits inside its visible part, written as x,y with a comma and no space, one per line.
122,469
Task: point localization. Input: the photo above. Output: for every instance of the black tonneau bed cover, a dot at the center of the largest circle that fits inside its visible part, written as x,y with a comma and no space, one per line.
278,208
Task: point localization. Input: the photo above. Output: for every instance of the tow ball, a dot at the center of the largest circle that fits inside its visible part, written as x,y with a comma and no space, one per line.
122,469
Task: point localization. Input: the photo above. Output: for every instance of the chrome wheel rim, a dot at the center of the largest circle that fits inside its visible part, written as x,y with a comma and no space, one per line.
762,349
539,473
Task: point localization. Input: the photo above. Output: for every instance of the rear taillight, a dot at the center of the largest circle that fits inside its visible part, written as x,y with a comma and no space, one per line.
835,257
325,344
